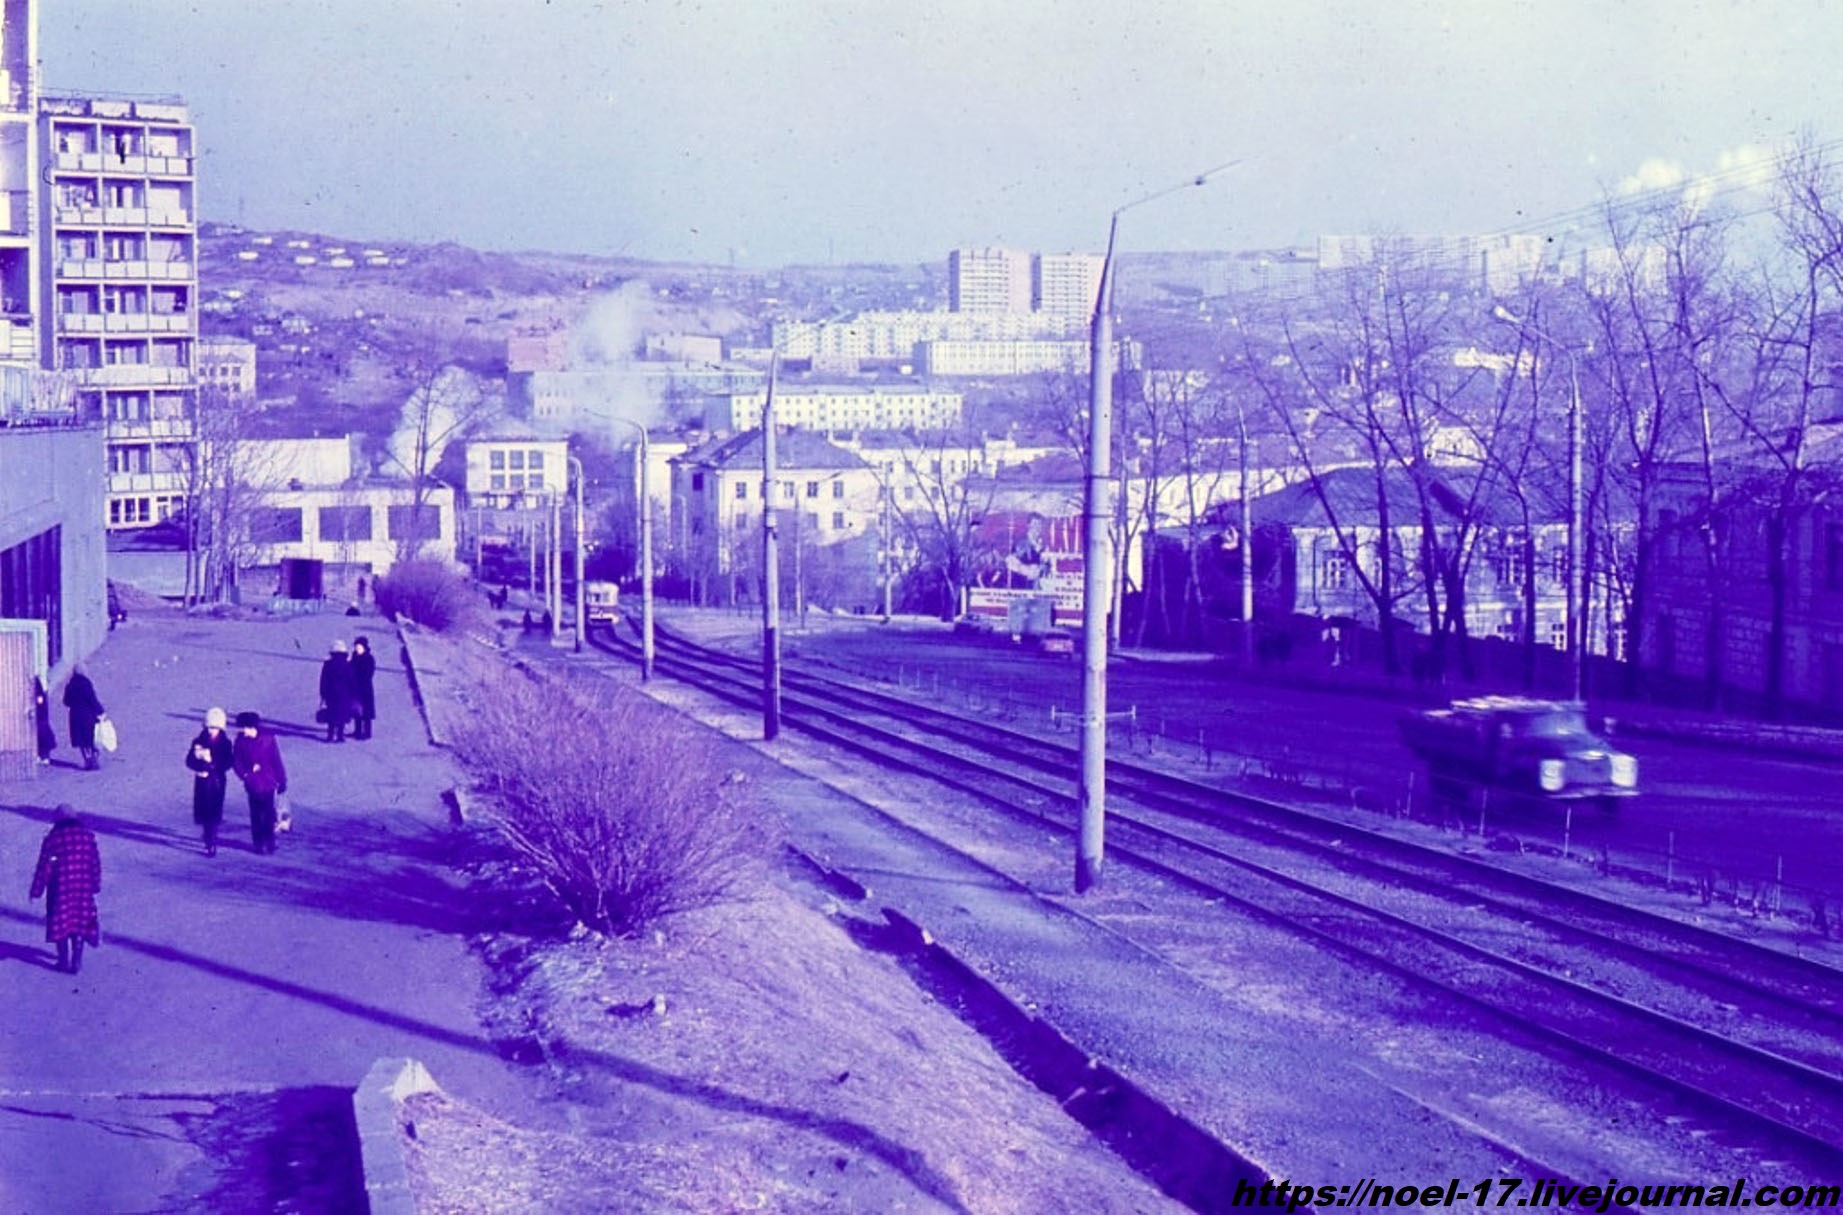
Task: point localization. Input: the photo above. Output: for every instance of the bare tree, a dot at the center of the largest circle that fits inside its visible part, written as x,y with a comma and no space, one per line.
444,402
227,472
937,489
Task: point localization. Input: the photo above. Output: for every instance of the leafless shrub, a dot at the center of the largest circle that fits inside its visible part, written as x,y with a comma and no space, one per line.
427,592
622,808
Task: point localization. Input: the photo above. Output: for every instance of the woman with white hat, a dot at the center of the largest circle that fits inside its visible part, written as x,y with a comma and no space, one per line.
211,756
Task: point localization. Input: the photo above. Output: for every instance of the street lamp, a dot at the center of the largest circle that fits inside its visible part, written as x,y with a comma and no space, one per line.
645,507
582,620
1575,613
1097,580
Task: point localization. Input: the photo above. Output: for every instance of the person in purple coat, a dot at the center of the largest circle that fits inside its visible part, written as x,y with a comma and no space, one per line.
257,758
69,875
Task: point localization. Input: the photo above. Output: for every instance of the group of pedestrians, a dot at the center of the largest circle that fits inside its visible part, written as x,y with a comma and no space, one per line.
347,697
69,870
84,714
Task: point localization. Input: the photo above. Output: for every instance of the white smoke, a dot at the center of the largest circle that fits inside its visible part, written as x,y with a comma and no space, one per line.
604,345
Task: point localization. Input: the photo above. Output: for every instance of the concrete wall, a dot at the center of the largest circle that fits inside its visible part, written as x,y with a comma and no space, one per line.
53,477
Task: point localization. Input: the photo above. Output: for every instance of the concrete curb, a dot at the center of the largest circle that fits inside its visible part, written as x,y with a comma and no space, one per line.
376,1106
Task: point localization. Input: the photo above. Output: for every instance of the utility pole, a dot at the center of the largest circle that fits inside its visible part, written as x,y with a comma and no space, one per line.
556,566
582,618
1097,581
1247,543
771,571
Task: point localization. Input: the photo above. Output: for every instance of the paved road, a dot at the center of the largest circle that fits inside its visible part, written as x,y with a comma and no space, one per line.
204,1058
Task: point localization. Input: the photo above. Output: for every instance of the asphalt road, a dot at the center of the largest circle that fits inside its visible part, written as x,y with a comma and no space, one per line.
1748,813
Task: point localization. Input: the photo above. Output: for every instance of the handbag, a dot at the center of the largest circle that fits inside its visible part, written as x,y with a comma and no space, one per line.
284,813
323,715
105,734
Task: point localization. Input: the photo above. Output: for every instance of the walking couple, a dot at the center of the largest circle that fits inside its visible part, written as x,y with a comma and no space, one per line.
256,758
346,691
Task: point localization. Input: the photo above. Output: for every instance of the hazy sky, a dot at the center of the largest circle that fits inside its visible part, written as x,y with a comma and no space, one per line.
777,131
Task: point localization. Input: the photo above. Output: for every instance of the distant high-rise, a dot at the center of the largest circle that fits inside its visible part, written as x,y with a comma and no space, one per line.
988,280
1067,284
119,243
19,342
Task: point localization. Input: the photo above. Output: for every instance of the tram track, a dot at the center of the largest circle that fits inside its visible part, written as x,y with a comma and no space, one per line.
1739,1034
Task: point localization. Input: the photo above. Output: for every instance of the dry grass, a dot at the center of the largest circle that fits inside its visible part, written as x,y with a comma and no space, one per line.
789,1070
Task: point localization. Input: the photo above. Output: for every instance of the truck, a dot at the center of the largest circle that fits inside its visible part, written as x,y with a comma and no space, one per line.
1516,749
601,602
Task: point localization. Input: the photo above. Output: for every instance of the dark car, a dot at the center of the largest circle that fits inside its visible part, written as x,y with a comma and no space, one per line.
1536,750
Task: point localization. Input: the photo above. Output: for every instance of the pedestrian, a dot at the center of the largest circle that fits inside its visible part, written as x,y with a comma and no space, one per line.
69,875
211,759
336,692
85,711
364,691
258,764
41,719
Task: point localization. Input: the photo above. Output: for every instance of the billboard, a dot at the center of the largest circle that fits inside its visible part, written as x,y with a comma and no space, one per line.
1028,571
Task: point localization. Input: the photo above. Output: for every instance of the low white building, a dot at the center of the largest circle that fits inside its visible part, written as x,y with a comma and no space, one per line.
227,365
840,407
308,504
514,467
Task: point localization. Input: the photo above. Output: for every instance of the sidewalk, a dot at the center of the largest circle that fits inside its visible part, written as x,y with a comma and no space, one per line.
213,1040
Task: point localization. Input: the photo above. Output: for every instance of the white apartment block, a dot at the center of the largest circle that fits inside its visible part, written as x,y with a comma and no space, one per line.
973,358
227,366
119,229
504,471
840,408
1067,284
891,337
988,280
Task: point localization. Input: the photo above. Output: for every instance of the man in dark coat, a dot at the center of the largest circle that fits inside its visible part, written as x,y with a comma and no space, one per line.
336,700
211,758
85,711
364,691
69,873
257,758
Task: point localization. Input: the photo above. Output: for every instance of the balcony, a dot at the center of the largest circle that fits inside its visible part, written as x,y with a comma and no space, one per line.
136,375
142,431
14,214
77,214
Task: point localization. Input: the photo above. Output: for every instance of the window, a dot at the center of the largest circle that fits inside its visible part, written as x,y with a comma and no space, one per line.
838,520
534,460
1333,571
517,480
407,523
345,523
275,524
30,582
812,489
496,460
697,482
838,489
518,459
499,481
742,490
534,480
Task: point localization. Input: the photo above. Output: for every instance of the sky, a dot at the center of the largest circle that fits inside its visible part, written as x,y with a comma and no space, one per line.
770,132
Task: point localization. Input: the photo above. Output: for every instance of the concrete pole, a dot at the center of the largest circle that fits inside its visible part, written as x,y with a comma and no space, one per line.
582,617
1097,582
771,571
1577,588
646,564
1247,543
1097,571
556,565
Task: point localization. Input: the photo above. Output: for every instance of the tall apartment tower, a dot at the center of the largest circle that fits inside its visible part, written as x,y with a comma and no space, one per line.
19,262
988,280
119,242
1067,284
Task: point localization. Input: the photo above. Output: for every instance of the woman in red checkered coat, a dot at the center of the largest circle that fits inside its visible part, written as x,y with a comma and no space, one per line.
70,875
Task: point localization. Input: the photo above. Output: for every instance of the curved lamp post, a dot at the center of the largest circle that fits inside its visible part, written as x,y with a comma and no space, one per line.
1097,568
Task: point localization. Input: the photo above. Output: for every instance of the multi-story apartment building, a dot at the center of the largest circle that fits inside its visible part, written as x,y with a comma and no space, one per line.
835,407
227,366
1066,284
988,280
19,173
118,237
